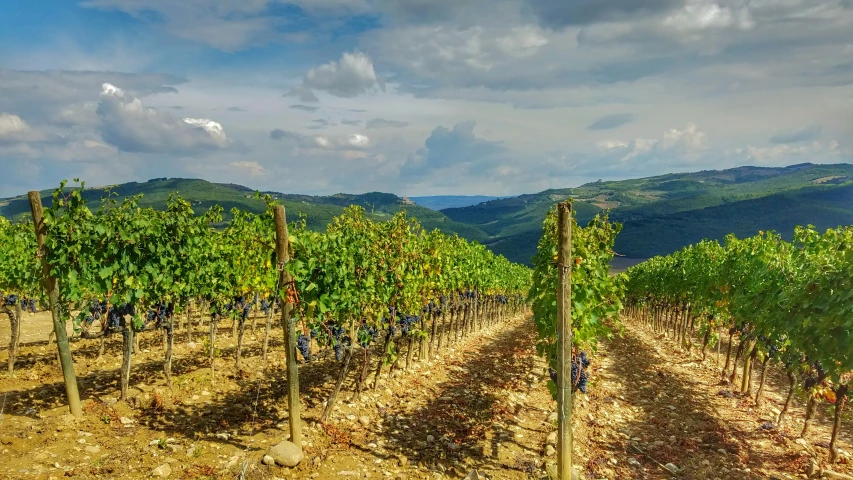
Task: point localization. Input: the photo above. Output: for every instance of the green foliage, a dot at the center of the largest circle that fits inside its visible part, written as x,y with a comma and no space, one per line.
596,295
20,268
795,296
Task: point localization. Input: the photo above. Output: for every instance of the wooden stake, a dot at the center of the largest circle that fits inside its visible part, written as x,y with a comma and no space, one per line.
283,255
564,342
52,287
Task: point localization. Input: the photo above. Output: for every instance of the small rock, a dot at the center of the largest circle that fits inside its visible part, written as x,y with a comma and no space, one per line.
268,460
722,450
286,453
364,420
671,467
814,468
552,438
223,436
474,475
430,438
126,421
550,451
93,449
635,463
205,393
162,471
351,417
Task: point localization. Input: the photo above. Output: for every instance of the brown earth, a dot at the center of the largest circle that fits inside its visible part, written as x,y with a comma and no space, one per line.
482,404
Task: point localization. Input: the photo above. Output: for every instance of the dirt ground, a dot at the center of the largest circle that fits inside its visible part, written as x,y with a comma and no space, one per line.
482,405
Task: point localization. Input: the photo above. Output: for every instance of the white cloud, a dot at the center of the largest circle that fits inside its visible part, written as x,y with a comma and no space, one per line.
131,127
14,129
304,93
253,168
349,146
687,142
815,151
350,76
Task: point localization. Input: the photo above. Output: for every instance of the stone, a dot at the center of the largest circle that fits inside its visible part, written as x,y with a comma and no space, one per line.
162,471
550,451
126,421
814,468
364,420
93,449
286,454
552,438
223,436
635,463
430,438
268,460
671,467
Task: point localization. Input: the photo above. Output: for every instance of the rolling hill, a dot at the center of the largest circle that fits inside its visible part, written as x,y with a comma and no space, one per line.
440,202
664,213
319,210
659,214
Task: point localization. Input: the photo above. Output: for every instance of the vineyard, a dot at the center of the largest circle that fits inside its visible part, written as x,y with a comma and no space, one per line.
175,344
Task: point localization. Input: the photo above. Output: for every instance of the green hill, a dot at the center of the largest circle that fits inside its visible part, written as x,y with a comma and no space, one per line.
660,214
664,213
319,210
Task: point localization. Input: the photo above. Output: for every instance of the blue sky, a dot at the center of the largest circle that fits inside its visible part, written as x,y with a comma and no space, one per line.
419,97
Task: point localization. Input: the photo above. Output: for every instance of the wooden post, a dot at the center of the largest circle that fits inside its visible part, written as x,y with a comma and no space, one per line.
564,342
52,287
283,255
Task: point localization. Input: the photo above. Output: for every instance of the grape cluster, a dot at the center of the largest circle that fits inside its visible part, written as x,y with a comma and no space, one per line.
339,339
366,334
266,305
433,308
406,322
469,294
580,374
29,304
115,316
158,313
10,300
815,377
303,343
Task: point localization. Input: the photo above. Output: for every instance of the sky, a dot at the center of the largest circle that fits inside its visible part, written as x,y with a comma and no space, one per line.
418,97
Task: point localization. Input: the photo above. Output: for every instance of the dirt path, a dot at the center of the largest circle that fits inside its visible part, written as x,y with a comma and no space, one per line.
650,397
482,405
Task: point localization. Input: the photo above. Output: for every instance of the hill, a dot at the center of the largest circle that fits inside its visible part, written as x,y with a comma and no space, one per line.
440,202
660,214
319,210
664,213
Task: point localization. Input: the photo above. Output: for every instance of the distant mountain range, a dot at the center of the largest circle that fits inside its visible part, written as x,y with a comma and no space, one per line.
659,214
440,202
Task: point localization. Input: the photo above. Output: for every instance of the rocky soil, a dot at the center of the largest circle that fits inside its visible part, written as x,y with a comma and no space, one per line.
481,408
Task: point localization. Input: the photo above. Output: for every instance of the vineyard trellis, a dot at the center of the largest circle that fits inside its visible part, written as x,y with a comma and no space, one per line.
581,257
125,270
786,302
